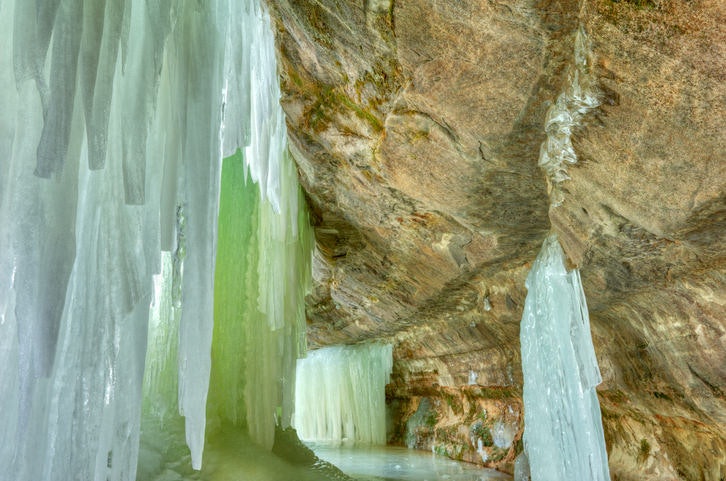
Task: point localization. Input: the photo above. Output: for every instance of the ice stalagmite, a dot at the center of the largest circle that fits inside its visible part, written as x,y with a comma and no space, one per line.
563,435
340,394
116,116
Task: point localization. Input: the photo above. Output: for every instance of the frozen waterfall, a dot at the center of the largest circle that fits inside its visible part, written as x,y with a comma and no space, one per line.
263,274
340,395
116,116
563,434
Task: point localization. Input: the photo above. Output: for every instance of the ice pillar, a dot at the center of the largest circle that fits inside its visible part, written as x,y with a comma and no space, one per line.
563,435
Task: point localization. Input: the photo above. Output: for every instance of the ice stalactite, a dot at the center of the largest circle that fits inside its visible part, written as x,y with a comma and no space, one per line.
563,434
116,116
340,394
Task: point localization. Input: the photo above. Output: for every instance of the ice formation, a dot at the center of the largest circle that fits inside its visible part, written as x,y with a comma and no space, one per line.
564,115
423,419
521,468
340,394
116,116
263,273
503,434
563,435
480,450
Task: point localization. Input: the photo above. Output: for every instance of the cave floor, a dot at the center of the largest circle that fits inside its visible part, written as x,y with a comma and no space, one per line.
230,456
389,463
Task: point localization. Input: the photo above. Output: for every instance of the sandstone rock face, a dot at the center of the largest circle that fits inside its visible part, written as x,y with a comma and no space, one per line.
417,125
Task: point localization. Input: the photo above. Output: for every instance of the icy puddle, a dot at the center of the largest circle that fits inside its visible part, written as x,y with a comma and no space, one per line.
393,463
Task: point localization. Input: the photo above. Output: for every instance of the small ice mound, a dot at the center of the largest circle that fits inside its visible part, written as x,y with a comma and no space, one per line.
503,434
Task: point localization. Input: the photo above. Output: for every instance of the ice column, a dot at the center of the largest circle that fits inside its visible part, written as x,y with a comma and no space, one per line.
563,435
340,394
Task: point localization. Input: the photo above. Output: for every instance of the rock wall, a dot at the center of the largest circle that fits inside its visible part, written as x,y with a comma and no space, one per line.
469,423
416,126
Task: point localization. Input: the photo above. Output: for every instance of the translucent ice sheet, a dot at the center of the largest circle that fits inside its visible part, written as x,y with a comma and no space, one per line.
388,463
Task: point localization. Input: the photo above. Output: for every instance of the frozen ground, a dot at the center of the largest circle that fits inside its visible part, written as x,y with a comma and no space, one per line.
230,456
387,463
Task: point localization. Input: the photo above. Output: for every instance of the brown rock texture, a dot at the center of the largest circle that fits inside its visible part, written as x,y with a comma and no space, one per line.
469,423
417,125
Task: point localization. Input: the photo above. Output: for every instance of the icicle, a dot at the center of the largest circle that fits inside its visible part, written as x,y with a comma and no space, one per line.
267,141
141,68
200,67
101,46
340,394
563,435
90,53
55,139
